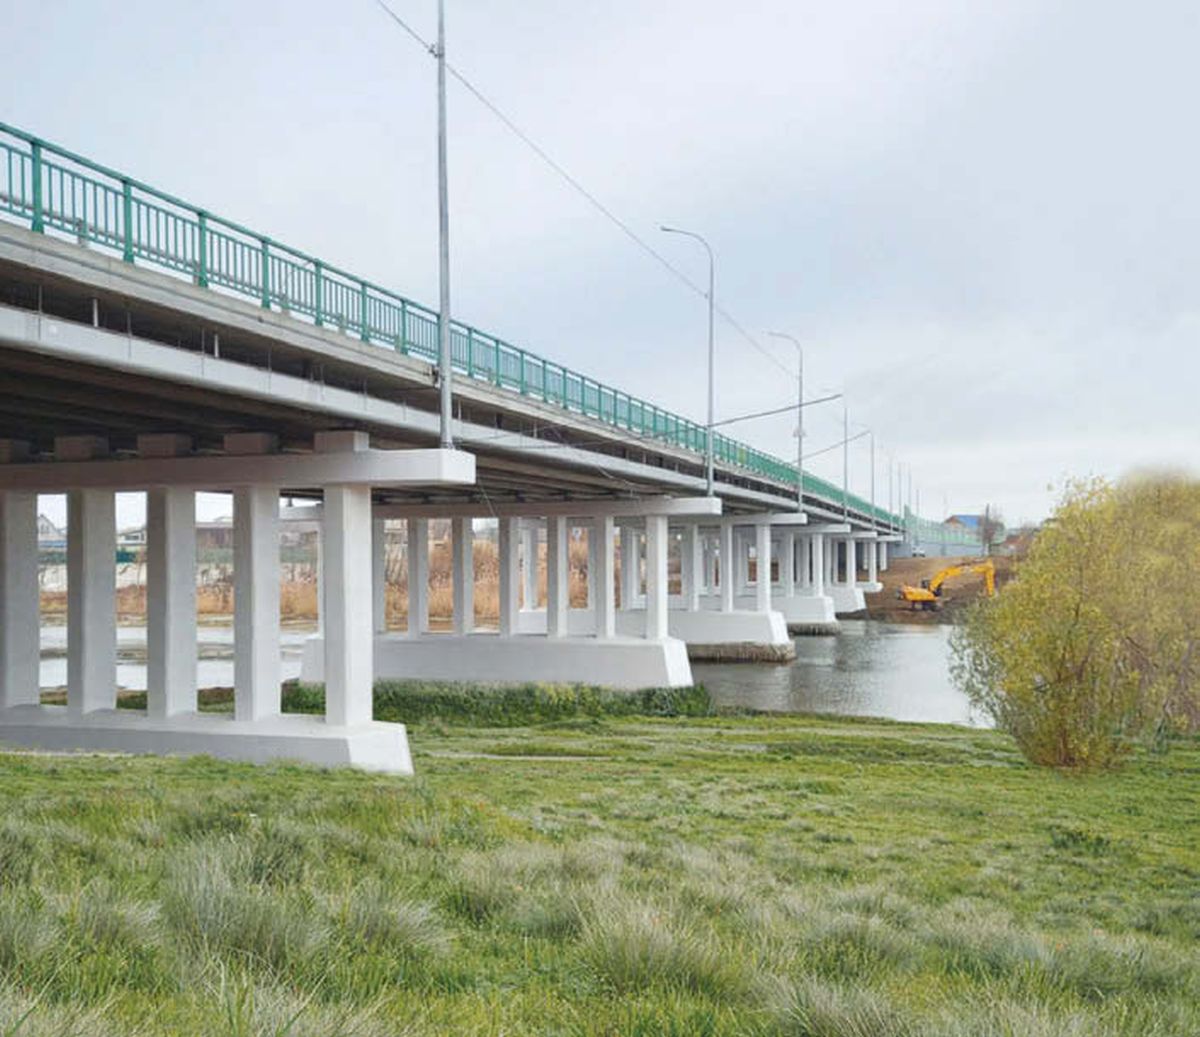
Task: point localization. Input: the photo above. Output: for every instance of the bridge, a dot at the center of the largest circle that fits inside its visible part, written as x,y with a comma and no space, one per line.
149,345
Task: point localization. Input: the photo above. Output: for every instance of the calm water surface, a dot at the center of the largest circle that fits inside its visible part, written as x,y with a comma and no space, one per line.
868,669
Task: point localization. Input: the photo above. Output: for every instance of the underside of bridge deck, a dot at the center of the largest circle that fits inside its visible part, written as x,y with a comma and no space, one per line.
526,450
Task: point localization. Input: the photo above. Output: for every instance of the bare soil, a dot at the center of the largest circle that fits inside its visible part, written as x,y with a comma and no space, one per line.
957,592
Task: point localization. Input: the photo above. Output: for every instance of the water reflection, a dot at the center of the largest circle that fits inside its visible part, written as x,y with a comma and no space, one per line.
868,669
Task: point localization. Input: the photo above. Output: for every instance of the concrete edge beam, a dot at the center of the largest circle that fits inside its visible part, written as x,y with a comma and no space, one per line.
370,467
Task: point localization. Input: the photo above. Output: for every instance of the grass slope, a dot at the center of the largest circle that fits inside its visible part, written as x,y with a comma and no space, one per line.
606,875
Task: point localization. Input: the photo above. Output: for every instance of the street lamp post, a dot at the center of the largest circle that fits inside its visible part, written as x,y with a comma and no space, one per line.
708,438
445,359
845,461
799,417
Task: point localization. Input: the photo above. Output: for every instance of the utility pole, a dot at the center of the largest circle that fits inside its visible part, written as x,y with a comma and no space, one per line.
708,439
445,359
845,461
799,417
874,520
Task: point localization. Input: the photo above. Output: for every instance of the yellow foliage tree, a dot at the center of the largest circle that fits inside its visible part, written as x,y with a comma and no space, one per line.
1095,643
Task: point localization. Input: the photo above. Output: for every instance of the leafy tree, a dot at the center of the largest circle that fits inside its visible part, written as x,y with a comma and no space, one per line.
1095,643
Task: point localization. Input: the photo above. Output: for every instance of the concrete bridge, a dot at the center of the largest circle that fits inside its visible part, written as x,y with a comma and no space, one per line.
148,345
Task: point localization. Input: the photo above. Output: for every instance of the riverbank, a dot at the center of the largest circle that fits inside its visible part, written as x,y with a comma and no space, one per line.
607,875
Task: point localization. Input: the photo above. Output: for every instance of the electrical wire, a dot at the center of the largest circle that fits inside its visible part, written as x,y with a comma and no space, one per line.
591,198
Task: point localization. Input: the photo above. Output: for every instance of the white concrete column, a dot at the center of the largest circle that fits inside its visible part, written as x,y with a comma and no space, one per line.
883,556
728,568
850,563
350,623
256,601
463,565
170,601
20,623
379,575
321,577
691,560
91,601
603,531
787,563
591,568
418,576
529,552
762,550
629,567
872,561
656,578
557,586
509,548
818,565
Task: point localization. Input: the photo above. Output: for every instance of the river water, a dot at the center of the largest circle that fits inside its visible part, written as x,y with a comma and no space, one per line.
870,668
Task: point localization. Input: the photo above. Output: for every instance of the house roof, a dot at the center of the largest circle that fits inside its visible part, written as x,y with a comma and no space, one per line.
970,521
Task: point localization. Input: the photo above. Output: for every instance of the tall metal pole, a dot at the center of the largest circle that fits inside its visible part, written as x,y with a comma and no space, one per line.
800,418
708,437
444,355
845,461
874,521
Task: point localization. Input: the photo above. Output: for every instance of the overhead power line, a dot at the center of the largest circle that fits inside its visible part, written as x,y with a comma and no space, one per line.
595,202
777,410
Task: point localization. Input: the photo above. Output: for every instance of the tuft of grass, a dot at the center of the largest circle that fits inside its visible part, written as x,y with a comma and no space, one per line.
814,1007
373,916
632,947
210,903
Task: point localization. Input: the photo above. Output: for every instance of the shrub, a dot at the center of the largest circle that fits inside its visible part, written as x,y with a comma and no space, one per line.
1097,641
508,705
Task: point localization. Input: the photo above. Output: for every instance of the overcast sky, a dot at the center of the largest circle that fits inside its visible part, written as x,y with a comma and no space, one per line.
981,218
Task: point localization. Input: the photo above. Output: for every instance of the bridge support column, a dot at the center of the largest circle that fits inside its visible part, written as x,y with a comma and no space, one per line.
787,563
762,552
91,601
529,570
256,676
418,576
509,548
656,577
630,566
691,560
728,567
463,565
601,579
883,556
557,572
379,575
20,625
349,627
170,601
872,548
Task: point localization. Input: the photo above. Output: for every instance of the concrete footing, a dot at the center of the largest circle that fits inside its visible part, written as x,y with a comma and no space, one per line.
372,746
847,601
627,663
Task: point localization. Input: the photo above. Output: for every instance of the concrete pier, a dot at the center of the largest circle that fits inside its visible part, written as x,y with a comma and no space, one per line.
341,466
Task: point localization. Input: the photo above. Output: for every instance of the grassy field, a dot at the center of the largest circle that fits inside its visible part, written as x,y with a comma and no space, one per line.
601,874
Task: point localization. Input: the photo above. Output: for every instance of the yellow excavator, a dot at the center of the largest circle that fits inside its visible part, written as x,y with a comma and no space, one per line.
929,595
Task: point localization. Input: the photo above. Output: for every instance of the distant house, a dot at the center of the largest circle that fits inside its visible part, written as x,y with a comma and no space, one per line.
971,522
132,538
50,537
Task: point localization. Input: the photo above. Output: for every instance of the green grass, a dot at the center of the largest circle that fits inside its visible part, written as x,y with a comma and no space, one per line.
558,869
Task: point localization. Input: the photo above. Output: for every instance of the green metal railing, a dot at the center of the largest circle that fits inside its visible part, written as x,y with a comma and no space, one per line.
56,190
